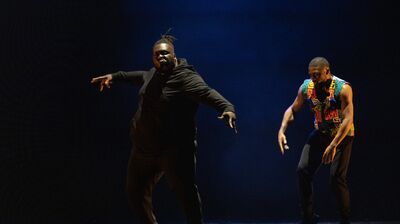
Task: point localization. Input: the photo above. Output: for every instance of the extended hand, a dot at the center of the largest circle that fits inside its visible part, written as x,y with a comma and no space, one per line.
105,81
282,142
329,154
231,119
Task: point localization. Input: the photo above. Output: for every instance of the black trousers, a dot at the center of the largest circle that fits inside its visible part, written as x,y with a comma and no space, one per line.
309,163
179,167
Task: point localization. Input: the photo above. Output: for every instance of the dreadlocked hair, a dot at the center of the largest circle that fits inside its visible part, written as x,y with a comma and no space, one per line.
166,38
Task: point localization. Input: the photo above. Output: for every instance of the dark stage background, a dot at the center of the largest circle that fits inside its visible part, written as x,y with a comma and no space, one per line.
64,146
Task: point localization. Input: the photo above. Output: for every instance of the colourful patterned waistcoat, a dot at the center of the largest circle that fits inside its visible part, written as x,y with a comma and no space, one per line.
327,114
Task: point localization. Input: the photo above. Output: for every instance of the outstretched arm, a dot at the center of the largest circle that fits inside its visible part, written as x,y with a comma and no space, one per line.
287,118
136,77
346,97
196,88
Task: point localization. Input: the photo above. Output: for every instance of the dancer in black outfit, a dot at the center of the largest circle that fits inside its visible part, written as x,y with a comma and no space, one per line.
163,130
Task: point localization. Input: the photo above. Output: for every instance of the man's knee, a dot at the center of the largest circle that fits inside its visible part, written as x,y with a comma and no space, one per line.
138,199
302,171
185,189
337,181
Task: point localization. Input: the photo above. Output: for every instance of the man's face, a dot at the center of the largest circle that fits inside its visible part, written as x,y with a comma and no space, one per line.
163,57
318,73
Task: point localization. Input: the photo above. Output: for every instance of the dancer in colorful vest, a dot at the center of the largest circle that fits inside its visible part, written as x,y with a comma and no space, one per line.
330,99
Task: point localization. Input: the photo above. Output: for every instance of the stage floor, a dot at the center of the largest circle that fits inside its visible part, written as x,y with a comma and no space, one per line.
356,222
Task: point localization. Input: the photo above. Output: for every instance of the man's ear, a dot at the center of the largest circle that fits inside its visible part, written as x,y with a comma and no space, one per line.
327,70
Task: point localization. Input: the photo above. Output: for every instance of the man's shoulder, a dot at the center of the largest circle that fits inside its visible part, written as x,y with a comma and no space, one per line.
187,72
149,73
188,76
346,89
151,70
306,81
305,85
339,80
342,85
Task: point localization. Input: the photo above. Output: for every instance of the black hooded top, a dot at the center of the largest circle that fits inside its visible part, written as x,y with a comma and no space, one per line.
167,106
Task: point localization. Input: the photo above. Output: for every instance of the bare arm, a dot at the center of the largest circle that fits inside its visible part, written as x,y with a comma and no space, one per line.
288,116
346,97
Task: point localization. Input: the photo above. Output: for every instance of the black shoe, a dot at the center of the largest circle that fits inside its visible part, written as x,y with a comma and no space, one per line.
313,220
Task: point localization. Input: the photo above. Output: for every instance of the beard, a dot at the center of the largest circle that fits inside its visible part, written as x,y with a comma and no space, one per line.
324,84
166,67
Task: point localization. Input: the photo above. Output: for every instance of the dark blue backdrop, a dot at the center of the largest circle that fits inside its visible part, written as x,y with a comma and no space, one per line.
64,146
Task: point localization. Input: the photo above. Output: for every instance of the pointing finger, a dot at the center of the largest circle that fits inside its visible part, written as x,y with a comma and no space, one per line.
231,122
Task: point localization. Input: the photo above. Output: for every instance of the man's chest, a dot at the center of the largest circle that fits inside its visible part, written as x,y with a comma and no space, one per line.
159,90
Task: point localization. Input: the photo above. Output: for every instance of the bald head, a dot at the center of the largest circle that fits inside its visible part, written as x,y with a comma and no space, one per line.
319,62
